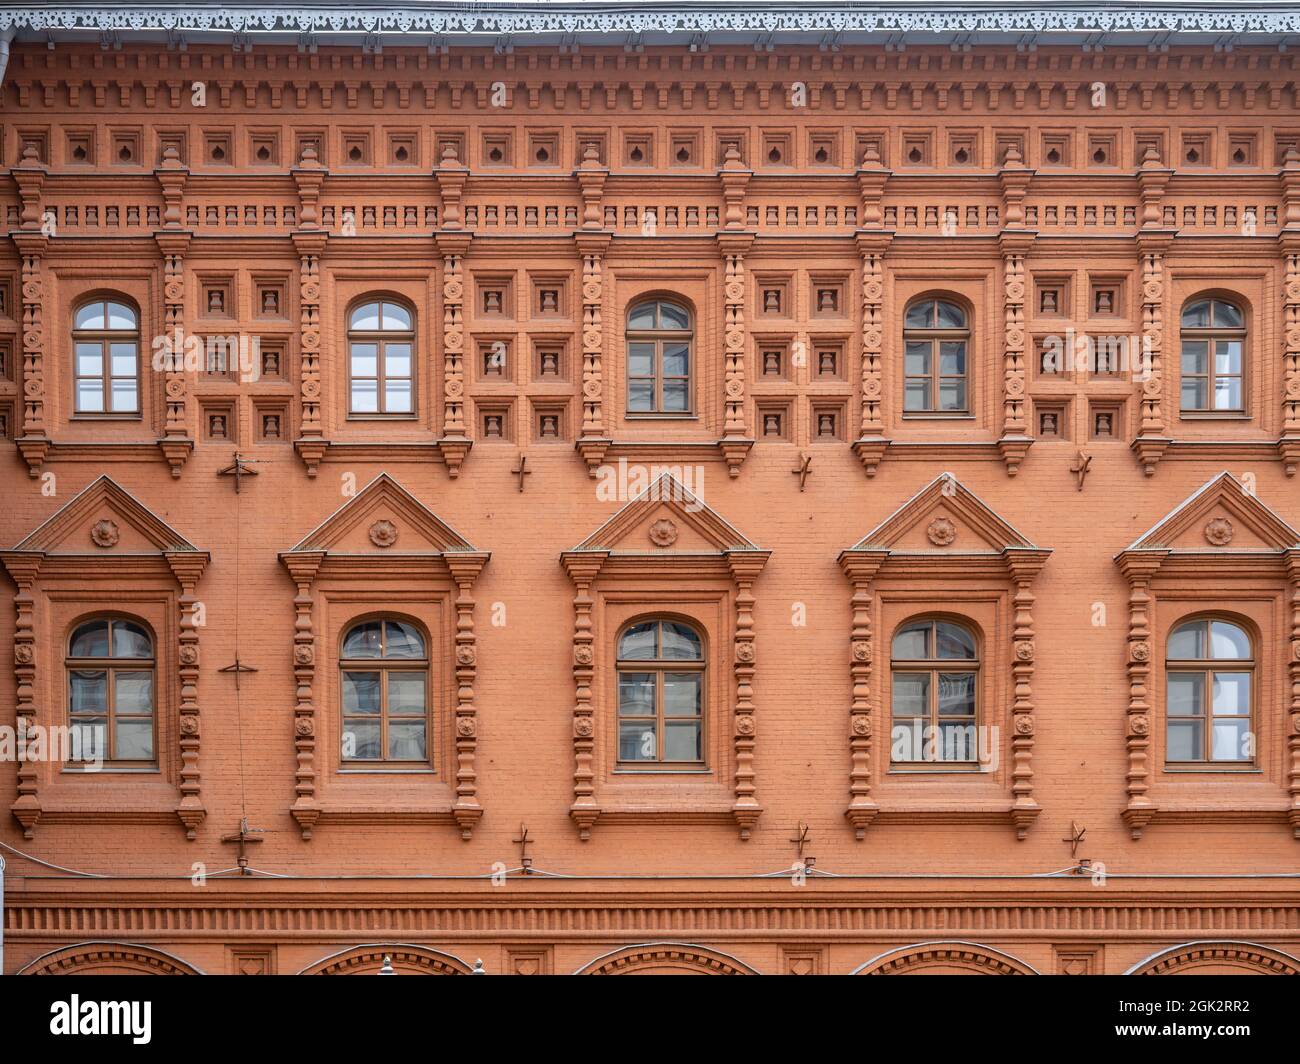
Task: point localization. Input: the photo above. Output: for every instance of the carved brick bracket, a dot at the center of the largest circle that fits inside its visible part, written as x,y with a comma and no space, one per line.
861,568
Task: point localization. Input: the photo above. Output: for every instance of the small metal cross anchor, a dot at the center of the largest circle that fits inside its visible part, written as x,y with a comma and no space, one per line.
522,470
1075,837
243,837
802,837
803,469
238,469
1082,462
237,668
525,862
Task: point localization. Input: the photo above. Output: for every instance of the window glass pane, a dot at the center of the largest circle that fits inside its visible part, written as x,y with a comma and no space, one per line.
90,640
1194,394
120,317
397,397
636,741
122,359
950,316
640,395
916,395
1227,393
1187,643
1226,315
1227,356
396,318
124,399
90,360
88,691
406,693
1195,356
676,360
1231,694
639,641
640,360
920,315
402,640
682,742
91,316
133,691
675,397
671,316
912,643
365,397
952,395
361,740
406,741
957,741
642,317
362,641
952,358
365,360
1185,692
88,739
636,694
917,358
1229,740
361,692
397,360
1228,641
1197,315
133,740
366,318
911,694
956,694
680,642
953,641
682,694
1184,740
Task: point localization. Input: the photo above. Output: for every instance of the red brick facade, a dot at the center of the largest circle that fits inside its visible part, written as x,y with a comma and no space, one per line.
833,467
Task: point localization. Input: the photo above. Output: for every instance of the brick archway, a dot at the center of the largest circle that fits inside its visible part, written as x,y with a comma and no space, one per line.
944,958
1218,958
666,958
108,958
406,960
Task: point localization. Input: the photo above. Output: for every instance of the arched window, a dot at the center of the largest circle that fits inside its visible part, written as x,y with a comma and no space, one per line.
106,353
935,692
936,336
659,358
110,668
1209,680
1213,357
660,694
385,685
381,364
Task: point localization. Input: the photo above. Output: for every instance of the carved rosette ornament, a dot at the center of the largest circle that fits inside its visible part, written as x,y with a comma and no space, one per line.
1289,443
454,443
746,810
105,533
1024,809
188,567
862,807
1139,809
941,532
734,343
305,809
22,569
1151,442
585,810
592,441
663,533
1218,532
31,242
1293,708
383,533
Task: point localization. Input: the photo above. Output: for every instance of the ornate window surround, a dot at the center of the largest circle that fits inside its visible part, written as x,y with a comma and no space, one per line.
134,562
384,551
1220,551
943,552
665,552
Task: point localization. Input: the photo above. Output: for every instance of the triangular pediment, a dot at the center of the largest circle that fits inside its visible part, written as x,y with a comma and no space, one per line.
667,517
383,518
105,517
944,516
1220,515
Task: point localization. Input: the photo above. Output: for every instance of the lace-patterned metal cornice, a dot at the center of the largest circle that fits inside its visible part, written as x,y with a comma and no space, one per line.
567,17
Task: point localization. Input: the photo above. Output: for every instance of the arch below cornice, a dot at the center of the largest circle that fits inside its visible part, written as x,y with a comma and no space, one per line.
1218,958
108,958
407,959
944,958
666,958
